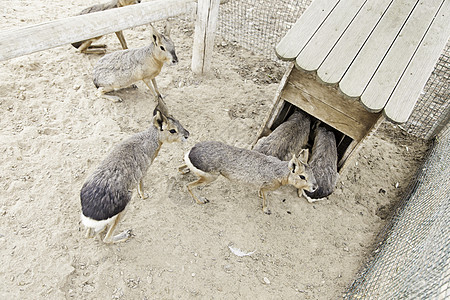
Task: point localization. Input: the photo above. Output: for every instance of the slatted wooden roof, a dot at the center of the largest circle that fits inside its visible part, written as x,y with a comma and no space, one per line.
380,51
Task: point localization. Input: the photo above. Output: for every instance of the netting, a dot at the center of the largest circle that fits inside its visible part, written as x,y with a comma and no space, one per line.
432,111
412,260
258,25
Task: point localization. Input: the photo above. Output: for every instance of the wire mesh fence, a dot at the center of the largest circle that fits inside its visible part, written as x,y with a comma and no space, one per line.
432,111
258,25
412,260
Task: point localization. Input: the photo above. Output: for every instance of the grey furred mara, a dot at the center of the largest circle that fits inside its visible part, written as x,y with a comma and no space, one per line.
323,162
290,137
86,46
107,191
123,68
210,159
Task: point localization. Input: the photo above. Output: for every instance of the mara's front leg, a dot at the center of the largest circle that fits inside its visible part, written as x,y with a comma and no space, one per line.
262,193
140,189
151,84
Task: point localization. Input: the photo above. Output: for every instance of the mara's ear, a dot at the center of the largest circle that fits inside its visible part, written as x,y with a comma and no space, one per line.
303,156
296,166
161,106
159,119
167,29
156,38
293,164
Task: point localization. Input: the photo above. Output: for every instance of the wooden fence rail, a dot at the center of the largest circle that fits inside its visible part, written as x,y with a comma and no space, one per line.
30,39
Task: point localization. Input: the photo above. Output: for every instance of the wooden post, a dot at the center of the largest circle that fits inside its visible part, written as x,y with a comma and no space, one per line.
205,26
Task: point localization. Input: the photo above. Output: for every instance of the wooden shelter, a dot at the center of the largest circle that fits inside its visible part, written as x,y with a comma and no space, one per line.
357,62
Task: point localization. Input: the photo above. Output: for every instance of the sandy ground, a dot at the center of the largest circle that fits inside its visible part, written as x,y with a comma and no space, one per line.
55,131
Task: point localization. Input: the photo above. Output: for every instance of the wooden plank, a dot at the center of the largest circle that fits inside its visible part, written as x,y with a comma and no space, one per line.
298,36
205,27
355,146
407,92
320,45
276,106
30,39
326,104
380,87
347,155
372,53
348,46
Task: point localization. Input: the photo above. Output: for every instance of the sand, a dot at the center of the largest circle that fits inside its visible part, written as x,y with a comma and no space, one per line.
55,131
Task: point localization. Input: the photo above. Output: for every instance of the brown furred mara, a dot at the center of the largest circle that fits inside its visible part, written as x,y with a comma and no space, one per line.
123,68
107,191
86,45
210,159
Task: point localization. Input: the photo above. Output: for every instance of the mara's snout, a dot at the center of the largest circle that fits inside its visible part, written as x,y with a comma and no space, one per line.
174,59
185,136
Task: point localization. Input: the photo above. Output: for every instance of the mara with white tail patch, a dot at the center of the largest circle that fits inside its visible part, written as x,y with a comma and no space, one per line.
210,159
106,193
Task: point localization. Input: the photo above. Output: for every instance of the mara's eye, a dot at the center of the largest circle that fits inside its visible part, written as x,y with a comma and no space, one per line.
162,48
172,131
302,177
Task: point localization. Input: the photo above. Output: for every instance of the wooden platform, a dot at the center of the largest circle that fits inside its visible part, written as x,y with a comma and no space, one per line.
357,62
380,52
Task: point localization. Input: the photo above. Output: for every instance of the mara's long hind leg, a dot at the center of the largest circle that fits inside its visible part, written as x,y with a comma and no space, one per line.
202,180
121,38
88,48
121,237
95,49
101,92
184,169
91,232
85,45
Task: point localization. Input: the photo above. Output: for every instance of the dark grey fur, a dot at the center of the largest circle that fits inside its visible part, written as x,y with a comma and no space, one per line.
289,138
237,164
323,162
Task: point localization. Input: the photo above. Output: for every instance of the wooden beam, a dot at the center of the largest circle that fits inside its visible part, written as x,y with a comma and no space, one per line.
355,146
30,39
328,105
205,27
277,106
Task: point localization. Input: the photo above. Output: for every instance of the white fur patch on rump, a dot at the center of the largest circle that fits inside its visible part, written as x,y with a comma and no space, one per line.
192,167
97,225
